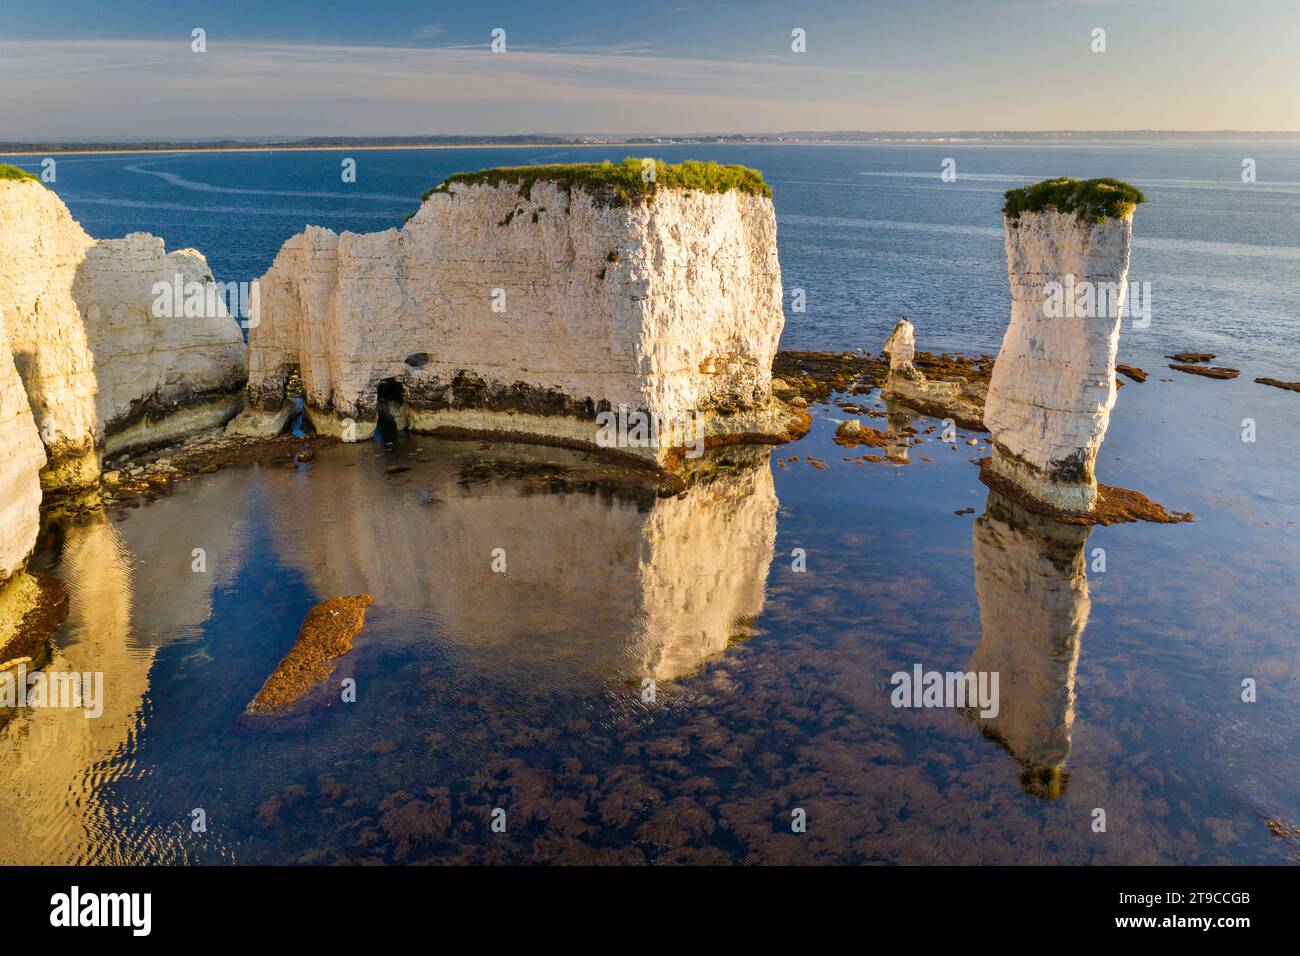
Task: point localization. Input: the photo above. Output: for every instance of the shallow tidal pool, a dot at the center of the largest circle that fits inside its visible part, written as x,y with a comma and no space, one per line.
639,679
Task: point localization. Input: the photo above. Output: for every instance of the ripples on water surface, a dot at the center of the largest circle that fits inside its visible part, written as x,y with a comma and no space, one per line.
476,690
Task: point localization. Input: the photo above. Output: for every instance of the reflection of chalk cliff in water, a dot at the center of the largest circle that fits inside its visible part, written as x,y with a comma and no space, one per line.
49,757
601,576
1031,581
56,764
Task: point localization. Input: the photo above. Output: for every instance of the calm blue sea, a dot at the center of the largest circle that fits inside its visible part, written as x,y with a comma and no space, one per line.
871,232
1126,652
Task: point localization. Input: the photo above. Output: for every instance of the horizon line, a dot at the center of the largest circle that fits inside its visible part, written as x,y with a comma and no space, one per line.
621,138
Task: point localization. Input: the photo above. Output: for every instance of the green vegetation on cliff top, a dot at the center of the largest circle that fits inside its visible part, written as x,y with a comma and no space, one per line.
617,184
13,172
1092,200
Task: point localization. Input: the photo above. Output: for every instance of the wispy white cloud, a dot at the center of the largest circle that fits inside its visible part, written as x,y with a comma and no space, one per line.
268,89
157,89
429,31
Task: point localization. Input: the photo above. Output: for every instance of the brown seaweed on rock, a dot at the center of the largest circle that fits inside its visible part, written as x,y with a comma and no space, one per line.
816,375
1114,505
326,634
39,603
1208,371
1278,383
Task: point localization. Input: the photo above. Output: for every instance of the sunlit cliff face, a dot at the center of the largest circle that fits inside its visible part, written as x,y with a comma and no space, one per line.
21,459
92,350
1032,586
498,312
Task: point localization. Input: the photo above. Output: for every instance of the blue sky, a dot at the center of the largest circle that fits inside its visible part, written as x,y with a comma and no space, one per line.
83,69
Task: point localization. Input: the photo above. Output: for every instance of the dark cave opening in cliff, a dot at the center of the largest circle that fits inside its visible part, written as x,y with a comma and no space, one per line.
391,410
294,393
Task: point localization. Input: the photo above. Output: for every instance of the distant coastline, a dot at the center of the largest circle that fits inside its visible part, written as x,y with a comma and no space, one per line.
798,138
286,148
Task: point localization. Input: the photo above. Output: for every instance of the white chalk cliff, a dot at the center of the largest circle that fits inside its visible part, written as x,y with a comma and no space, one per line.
21,460
496,309
1053,384
101,371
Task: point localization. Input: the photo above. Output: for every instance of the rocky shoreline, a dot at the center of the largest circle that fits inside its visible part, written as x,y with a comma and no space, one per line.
665,303
30,613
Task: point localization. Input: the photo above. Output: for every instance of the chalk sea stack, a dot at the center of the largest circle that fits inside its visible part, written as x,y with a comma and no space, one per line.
954,397
1053,383
102,372
530,300
901,349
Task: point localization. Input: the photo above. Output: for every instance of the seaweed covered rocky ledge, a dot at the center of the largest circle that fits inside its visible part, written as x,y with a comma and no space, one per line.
633,306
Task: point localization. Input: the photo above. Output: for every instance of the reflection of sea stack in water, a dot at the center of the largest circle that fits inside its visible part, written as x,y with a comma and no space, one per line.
542,557
1032,585
50,758
1053,385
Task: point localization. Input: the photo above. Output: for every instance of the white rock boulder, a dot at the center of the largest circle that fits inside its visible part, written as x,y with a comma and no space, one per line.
956,398
901,348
